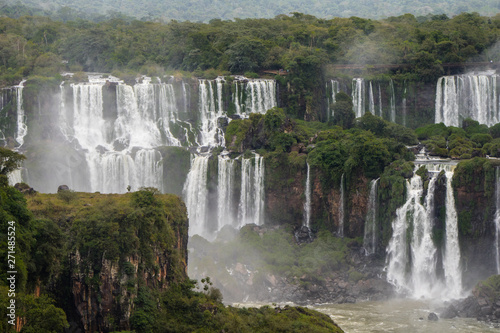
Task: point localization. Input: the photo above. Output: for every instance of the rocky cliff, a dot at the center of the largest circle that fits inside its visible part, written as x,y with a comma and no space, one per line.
114,246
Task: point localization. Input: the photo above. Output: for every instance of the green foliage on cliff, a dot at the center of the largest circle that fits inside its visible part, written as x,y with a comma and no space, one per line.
489,288
67,249
472,140
302,45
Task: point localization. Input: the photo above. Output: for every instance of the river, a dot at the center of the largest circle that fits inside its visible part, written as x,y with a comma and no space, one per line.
398,316
401,315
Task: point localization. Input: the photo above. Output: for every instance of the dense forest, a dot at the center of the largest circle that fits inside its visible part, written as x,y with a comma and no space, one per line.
305,47
227,10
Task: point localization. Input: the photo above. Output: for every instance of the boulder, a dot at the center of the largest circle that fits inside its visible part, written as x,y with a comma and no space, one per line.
432,317
62,188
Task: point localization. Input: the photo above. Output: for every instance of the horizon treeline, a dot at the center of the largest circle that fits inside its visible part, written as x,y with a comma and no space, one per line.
206,10
299,43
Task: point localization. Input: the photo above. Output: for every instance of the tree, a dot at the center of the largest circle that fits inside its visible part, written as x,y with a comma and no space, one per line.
9,161
343,115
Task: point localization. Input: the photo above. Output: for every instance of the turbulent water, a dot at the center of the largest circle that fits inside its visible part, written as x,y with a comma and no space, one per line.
399,316
412,265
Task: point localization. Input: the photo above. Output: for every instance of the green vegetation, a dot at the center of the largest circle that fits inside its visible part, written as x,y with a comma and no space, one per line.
70,247
490,288
302,45
472,140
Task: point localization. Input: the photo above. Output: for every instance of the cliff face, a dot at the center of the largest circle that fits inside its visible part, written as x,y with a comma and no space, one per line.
115,246
474,184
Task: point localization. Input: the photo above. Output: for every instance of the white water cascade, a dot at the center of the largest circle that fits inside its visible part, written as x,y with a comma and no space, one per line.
473,96
371,100
340,232
261,95
307,204
225,197
370,234
451,255
497,218
211,109
331,90
412,267
392,101
22,128
195,195
251,205
358,96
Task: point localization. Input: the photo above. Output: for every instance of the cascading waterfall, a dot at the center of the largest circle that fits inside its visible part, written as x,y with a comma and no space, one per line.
251,205
115,130
451,255
358,96
371,100
307,203
370,234
423,250
497,218
397,249
380,112
261,95
467,96
195,195
412,254
22,128
392,101
210,110
88,122
333,89
403,106
225,185
341,208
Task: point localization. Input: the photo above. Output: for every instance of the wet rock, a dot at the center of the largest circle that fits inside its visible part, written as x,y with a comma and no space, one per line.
24,188
450,312
62,188
432,317
486,310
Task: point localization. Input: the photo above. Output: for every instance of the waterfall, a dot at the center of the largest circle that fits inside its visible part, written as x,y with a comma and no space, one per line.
237,98
225,186
341,208
15,177
307,203
251,205
22,128
451,256
261,95
497,218
371,99
88,122
210,111
397,249
358,96
335,89
195,195
467,96
423,250
403,106
370,234
412,254
392,101
380,112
